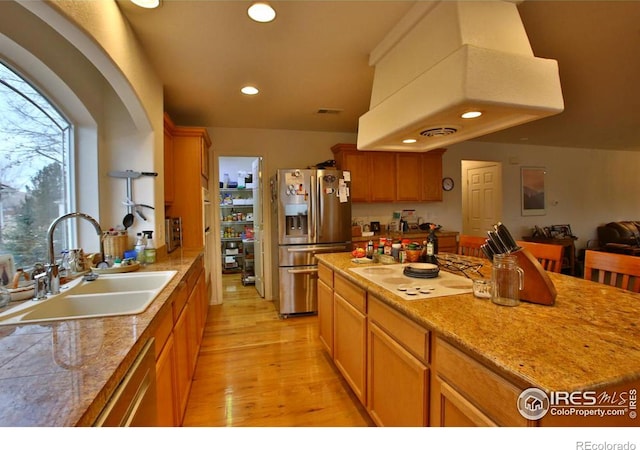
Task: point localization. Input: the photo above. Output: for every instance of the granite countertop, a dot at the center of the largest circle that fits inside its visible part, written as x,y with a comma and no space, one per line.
589,339
61,373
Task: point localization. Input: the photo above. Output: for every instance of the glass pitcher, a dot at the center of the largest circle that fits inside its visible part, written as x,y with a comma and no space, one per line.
508,280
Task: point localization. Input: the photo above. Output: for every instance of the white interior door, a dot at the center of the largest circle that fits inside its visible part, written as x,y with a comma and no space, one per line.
258,227
482,202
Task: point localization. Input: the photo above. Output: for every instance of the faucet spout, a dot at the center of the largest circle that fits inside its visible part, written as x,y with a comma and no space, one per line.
52,229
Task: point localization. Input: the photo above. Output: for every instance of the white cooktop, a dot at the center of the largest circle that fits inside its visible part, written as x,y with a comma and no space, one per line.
391,278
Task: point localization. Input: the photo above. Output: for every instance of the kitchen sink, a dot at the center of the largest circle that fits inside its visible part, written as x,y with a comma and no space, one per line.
109,295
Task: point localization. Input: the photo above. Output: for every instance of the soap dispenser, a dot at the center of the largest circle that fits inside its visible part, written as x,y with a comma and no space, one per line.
150,248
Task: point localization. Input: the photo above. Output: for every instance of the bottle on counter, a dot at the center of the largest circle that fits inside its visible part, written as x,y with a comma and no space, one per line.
139,248
150,248
370,249
431,246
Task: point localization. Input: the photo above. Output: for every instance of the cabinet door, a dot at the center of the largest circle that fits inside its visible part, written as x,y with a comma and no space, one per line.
359,165
383,177
409,178
165,382
169,191
397,384
182,368
204,161
456,411
349,345
325,315
193,308
432,175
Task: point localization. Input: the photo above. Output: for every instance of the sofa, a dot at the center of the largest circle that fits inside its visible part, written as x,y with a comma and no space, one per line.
620,237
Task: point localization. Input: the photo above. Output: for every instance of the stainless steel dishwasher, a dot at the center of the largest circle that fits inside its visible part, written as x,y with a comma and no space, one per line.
133,404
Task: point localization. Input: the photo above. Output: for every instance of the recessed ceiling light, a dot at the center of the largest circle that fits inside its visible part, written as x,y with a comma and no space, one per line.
149,4
409,141
249,90
471,114
261,12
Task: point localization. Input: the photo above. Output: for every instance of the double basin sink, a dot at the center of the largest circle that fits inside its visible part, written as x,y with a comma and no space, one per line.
108,295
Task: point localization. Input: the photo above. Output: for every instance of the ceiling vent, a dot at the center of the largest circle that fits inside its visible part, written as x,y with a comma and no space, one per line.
438,131
445,58
328,111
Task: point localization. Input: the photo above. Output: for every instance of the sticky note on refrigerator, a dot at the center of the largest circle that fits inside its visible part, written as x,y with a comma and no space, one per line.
343,194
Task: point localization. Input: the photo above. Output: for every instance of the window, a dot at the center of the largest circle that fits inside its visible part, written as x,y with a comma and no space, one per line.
34,170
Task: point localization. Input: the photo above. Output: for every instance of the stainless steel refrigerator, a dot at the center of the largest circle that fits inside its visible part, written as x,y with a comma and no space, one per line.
313,213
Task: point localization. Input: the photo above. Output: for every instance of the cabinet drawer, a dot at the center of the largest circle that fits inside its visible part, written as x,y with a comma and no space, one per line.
490,393
412,336
180,296
353,294
326,275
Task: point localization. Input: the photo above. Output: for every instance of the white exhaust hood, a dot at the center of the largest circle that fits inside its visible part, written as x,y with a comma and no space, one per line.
445,58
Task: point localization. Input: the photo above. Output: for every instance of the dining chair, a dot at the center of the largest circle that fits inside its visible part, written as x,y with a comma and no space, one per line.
470,245
548,255
614,269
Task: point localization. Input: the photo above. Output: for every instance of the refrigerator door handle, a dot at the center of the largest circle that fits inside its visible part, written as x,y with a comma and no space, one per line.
315,249
311,224
298,271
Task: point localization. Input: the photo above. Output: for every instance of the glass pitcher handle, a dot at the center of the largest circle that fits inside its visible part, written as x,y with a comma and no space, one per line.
521,277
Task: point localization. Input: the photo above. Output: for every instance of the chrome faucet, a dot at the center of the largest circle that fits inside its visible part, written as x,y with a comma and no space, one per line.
52,269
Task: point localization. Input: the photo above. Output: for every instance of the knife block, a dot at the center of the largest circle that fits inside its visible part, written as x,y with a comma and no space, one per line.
538,287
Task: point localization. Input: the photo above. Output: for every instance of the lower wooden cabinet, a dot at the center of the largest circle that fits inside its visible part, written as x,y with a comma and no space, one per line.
349,344
465,392
179,332
397,383
165,379
325,315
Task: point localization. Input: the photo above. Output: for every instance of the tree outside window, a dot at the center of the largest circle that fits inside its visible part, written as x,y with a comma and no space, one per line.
34,170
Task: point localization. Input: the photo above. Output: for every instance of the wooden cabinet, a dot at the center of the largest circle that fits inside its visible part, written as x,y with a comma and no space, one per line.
350,334
190,177
409,177
432,175
397,360
467,393
391,176
178,336
382,186
165,380
325,307
169,173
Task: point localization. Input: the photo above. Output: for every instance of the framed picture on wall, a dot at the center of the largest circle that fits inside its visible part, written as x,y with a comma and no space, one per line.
532,193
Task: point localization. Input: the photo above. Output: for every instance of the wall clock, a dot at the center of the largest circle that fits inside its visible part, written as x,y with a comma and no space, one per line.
447,183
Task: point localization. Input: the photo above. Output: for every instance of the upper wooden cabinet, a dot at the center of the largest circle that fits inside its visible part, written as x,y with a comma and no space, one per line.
391,176
169,192
189,169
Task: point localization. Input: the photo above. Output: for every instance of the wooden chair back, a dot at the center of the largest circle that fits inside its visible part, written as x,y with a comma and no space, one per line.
614,269
548,255
470,245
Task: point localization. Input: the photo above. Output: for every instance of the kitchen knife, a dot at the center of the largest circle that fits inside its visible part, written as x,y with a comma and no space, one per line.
486,249
506,237
494,248
497,242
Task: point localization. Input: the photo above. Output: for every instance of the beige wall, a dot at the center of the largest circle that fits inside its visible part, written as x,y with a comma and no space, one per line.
89,63
584,187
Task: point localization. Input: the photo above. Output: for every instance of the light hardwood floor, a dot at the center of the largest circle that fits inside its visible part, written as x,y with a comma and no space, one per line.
257,370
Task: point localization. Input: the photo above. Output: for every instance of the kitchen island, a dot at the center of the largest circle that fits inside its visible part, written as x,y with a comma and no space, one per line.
467,360
63,373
